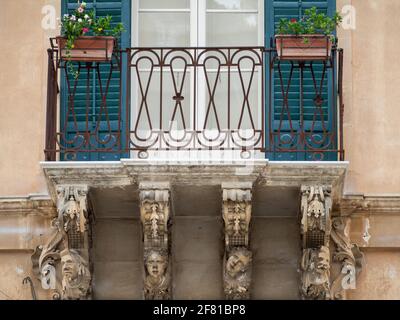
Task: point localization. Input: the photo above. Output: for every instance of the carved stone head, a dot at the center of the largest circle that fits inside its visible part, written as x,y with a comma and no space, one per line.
157,280
76,275
316,274
323,260
156,262
238,262
237,273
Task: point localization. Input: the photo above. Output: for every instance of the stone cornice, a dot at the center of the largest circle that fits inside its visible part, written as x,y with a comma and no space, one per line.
43,206
260,172
130,171
296,173
359,204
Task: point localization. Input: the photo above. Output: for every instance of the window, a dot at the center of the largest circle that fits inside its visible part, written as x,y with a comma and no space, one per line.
197,23
193,23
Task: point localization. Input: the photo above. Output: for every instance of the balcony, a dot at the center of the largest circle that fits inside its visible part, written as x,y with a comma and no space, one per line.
242,100
149,103
149,108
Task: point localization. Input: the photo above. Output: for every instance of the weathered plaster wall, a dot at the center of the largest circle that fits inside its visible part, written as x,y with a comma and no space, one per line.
380,278
275,243
20,233
23,95
117,259
372,79
15,265
377,234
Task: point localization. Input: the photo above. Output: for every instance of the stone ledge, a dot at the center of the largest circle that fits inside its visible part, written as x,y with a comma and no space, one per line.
39,205
25,222
375,219
125,171
360,204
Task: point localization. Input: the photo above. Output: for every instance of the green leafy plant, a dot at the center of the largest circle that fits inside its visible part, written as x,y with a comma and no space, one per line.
83,22
311,23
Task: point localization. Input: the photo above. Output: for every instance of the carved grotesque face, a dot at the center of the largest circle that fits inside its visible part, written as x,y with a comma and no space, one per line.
156,264
237,263
70,267
323,259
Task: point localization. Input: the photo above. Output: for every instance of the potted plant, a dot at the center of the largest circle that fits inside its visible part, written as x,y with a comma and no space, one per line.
310,38
76,44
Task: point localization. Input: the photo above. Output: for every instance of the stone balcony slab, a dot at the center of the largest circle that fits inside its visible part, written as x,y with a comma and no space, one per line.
196,186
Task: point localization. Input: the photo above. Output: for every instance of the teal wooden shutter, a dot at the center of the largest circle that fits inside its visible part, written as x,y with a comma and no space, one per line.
120,10
275,10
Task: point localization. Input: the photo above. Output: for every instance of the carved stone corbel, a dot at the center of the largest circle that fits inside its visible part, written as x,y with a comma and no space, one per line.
315,278
348,255
62,263
237,264
155,217
72,213
316,205
237,267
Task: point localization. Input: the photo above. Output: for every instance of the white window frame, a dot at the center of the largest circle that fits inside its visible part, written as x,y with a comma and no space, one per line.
198,14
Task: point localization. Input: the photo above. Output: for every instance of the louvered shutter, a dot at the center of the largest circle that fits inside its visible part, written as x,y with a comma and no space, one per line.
275,10
115,122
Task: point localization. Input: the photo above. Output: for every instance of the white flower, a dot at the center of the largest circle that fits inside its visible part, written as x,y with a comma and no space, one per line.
86,16
79,20
73,18
83,4
80,10
66,15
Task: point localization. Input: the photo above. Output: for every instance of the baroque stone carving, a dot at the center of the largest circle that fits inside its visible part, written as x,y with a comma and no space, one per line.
155,215
45,260
236,212
315,266
237,274
316,205
72,213
55,262
157,279
348,255
237,264
76,276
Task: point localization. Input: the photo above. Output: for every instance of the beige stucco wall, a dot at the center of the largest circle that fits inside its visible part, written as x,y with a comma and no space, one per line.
380,278
372,97
23,75
20,233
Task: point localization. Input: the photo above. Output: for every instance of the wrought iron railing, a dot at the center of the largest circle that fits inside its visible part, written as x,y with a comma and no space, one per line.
189,99
305,108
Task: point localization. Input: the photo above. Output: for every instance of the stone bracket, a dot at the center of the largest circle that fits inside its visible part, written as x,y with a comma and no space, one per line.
318,228
66,254
315,210
237,264
348,255
155,217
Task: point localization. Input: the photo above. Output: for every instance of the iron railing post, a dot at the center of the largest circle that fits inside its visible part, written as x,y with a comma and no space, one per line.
341,104
51,109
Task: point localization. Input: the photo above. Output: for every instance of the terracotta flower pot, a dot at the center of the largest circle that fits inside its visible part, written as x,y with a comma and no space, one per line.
87,49
303,47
